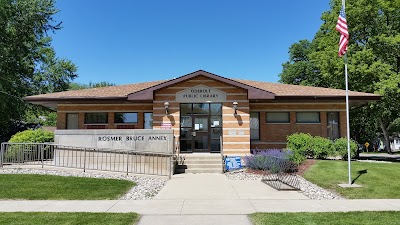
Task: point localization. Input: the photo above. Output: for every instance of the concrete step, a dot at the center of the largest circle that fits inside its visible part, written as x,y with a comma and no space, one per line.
203,166
204,161
202,158
199,163
203,170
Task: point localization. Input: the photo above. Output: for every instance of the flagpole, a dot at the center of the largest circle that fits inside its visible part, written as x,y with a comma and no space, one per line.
347,117
347,109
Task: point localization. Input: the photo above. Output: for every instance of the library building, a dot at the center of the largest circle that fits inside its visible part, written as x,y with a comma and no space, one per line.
206,113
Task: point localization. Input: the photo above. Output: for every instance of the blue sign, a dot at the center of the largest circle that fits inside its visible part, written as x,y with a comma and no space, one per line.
233,162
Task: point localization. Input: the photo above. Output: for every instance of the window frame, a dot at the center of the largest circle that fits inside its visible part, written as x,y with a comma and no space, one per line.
85,119
67,121
144,120
309,122
278,122
119,123
259,128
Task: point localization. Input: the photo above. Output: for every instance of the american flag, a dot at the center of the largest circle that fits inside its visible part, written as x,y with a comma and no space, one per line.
341,26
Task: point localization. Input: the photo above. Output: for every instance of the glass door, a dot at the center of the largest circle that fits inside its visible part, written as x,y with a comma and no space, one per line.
200,127
200,133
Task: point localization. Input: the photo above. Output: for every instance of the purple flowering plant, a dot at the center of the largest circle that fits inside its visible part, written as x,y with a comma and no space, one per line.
267,159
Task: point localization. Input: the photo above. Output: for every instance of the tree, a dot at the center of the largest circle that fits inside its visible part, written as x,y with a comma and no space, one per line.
28,63
78,86
299,69
373,61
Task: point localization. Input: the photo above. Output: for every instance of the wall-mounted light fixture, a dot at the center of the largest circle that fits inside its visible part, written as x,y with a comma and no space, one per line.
166,105
235,104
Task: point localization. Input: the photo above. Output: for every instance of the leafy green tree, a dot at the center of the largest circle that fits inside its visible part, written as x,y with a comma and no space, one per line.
373,61
78,86
40,115
28,63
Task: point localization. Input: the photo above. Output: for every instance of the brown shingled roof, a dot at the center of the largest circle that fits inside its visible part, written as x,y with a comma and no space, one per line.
279,90
285,90
120,91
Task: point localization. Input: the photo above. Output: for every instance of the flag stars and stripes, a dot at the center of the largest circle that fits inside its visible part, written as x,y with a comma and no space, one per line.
341,26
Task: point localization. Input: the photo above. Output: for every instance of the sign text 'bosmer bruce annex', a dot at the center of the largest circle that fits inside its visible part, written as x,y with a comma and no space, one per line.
131,138
159,141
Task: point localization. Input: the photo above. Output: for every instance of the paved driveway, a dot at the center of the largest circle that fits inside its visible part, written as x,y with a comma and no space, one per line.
219,187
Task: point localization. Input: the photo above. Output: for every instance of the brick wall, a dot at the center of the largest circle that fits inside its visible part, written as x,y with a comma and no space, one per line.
235,129
81,109
274,135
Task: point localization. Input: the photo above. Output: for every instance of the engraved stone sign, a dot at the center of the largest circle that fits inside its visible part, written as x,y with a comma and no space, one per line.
201,93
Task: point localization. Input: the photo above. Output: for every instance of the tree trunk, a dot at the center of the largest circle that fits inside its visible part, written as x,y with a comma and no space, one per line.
386,136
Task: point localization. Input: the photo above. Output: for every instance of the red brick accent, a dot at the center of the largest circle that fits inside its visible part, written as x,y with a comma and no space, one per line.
95,127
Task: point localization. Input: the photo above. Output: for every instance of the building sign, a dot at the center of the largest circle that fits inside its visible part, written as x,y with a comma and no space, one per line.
201,93
131,138
233,162
139,140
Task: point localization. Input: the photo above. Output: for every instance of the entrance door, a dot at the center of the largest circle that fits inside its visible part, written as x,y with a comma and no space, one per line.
200,127
200,133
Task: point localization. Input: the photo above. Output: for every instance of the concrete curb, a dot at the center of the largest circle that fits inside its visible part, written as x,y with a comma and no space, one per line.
200,206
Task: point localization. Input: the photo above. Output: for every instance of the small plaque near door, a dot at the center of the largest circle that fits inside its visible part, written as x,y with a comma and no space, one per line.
233,162
166,126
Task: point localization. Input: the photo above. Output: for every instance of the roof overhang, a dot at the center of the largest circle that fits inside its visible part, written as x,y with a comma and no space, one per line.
52,102
353,100
252,92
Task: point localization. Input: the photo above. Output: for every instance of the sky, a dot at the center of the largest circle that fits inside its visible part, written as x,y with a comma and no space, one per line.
132,41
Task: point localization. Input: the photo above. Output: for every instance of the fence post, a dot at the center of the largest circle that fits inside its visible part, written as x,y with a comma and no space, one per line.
127,162
2,153
84,160
42,154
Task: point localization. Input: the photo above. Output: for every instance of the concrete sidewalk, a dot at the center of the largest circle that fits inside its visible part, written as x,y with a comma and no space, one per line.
200,207
219,187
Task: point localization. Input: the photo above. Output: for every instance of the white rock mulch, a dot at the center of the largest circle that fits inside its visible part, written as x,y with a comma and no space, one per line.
309,189
146,187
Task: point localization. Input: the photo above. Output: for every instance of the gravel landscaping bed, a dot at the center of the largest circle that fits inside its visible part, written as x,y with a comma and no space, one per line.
309,189
146,187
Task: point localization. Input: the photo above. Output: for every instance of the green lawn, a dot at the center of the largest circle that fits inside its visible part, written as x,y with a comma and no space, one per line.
35,187
44,218
381,180
331,218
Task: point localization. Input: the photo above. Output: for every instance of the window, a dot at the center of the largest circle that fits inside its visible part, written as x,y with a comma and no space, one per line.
307,117
148,120
333,125
72,120
130,117
278,117
255,126
96,118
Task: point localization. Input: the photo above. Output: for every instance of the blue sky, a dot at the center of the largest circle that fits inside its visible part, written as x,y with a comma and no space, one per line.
130,41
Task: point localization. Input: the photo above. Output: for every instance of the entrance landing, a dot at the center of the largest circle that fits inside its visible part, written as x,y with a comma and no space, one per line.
219,187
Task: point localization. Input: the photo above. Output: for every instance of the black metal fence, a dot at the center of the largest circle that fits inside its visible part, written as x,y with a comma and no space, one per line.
118,160
281,174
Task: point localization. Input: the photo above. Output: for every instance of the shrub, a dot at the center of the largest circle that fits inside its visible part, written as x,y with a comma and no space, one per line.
32,136
266,159
300,145
21,153
341,148
322,147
